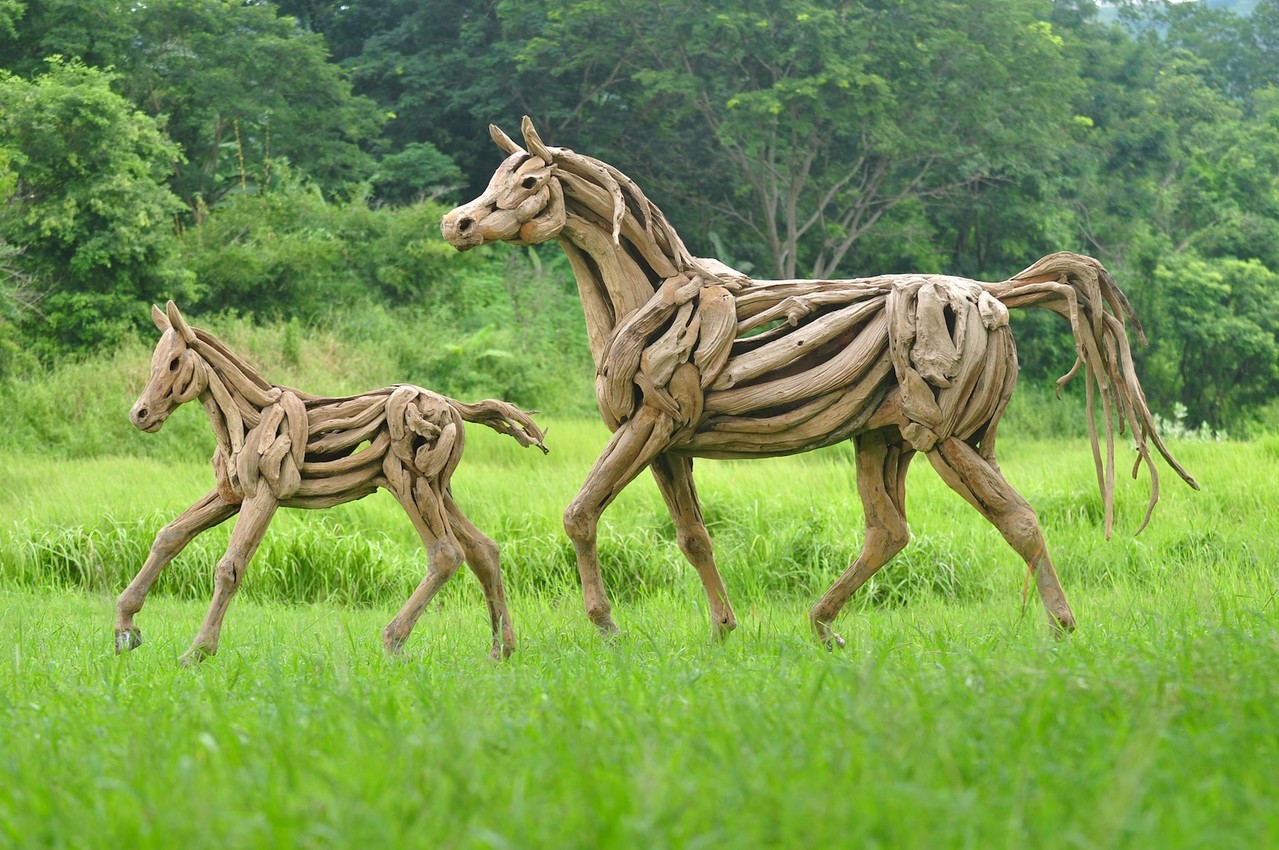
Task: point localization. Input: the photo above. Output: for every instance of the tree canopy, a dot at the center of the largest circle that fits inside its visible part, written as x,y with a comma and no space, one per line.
262,156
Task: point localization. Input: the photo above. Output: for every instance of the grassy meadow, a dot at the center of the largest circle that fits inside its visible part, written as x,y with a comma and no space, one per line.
950,720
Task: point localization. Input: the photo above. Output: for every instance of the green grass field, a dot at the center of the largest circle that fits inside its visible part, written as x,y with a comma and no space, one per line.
950,720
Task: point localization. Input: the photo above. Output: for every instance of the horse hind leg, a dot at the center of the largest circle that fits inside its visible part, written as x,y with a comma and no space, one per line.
482,556
674,477
881,483
981,483
211,510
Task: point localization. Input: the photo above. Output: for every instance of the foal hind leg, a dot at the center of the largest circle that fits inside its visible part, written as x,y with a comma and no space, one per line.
482,557
255,515
881,483
172,539
675,481
981,483
425,508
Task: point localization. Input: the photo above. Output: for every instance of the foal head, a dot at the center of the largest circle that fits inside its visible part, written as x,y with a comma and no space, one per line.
524,201
178,373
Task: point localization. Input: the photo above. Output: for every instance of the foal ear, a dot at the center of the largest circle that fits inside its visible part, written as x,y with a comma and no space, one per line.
180,324
161,320
504,141
534,141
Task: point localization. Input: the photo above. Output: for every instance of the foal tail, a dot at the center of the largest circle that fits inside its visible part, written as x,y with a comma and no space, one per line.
504,418
1081,290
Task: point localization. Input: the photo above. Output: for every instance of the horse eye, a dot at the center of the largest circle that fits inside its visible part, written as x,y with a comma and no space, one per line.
528,182
173,364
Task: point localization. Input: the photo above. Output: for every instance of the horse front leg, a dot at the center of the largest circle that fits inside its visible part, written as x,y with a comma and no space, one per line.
209,511
255,515
674,476
635,443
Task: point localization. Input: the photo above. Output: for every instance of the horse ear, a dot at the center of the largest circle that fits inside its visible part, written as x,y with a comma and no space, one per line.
504,141
161,320
534,141
179,324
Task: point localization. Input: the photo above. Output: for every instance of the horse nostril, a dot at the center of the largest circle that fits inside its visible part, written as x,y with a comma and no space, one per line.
465,224
139,415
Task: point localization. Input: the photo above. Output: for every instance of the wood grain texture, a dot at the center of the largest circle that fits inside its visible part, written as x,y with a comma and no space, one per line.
277,446
696,359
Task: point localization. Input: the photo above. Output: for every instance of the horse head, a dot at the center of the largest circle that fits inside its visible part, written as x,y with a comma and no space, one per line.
178,372
524,201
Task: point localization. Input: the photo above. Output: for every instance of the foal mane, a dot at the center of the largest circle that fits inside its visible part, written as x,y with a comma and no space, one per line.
224,356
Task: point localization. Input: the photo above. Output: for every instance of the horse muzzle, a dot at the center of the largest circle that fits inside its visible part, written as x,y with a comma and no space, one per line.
146,418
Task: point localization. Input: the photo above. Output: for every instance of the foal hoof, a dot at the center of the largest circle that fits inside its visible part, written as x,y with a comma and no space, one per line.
1061,628
127,639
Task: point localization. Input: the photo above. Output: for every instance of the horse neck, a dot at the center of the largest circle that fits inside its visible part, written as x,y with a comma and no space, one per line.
615,276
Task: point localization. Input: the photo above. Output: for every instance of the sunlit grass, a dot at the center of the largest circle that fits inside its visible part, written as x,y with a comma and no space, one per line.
951,719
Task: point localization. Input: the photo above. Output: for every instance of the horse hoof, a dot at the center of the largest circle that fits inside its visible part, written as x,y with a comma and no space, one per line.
192,657
127,639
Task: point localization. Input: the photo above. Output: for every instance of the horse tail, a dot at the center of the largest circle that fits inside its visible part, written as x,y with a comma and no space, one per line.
504,418
1080,289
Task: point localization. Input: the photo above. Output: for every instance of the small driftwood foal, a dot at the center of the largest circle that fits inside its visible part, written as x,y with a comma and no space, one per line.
694,359
278,446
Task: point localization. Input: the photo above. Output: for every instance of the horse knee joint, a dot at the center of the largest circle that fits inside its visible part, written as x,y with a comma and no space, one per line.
229,571
579,523
696,544
486,551
166,544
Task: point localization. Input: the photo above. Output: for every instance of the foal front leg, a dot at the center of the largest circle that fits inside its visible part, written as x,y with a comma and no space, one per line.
425,507
255,516
483,557
172,539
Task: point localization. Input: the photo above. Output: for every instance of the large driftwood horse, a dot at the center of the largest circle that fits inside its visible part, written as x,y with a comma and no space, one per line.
278,446
695,359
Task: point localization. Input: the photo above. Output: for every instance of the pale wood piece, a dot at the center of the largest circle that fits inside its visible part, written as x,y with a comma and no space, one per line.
277,446
695,359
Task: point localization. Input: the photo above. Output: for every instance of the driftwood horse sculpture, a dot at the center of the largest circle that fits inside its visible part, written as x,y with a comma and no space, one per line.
278,446
694,359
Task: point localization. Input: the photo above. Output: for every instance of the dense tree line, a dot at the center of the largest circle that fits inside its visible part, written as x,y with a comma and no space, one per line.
291,158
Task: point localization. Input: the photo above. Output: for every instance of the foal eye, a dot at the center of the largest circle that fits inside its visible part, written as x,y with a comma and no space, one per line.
528,182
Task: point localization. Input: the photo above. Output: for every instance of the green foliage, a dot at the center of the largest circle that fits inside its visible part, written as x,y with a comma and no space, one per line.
786,138
90,208
288,251
419,169
237,86
1218,337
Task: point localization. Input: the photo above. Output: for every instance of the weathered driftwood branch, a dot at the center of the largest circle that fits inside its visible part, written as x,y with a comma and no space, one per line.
695,359
277,446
